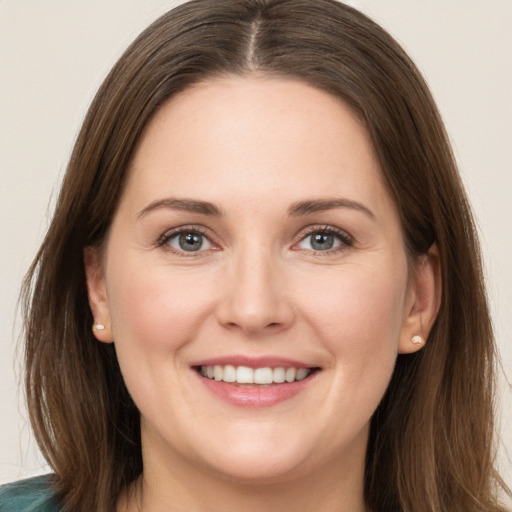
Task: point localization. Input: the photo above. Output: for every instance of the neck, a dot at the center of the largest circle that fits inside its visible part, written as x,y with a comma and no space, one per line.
336,487
306,496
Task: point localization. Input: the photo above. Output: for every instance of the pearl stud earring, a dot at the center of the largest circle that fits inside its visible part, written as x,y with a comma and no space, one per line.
98,327
418,340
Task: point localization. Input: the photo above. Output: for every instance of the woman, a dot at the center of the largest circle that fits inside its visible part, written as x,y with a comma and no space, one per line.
262,285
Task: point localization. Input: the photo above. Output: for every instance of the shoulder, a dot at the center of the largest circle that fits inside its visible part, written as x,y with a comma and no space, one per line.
32,495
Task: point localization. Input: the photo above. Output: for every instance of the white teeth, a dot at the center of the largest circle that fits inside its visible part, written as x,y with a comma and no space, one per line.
218,372
263,376
279,375
246,375
302,373
290,374
229,373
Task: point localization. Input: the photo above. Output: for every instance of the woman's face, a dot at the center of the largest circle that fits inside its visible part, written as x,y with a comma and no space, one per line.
255,240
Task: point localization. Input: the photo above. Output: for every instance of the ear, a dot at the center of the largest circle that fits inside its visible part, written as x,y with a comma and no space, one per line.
422,302
98,300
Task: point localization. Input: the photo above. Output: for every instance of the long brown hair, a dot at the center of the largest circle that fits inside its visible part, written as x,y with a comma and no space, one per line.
430,446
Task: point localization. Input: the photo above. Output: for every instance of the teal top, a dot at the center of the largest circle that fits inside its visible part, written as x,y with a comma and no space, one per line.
32,495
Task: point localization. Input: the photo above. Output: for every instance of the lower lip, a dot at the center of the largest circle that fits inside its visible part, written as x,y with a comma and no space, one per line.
255,396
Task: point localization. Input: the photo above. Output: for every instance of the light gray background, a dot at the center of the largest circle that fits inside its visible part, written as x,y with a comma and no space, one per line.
54,54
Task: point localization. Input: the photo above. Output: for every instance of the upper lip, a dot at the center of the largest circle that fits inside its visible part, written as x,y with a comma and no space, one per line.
253,362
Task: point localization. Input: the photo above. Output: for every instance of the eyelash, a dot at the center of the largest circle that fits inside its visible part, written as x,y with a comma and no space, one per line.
345,239
164,239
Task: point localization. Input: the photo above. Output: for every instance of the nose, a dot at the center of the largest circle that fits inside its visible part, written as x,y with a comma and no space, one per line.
255,298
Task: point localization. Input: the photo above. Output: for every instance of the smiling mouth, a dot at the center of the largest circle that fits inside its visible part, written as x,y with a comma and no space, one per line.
244,375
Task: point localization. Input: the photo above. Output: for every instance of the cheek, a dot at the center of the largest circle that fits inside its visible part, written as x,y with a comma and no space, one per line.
154,314
155,309
359,319
358,313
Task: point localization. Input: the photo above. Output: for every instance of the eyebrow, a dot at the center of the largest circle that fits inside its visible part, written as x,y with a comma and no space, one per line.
320,205
296,209
186,205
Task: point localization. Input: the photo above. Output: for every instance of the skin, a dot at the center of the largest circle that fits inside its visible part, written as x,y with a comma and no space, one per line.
254,147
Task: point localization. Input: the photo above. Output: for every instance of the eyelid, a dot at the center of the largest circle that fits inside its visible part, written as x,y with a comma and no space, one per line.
347,240
170,233
163,239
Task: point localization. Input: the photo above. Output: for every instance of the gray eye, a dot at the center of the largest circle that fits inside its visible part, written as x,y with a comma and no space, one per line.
322,241
189,242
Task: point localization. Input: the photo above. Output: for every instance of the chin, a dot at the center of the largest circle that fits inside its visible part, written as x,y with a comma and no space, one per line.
257,455
259,470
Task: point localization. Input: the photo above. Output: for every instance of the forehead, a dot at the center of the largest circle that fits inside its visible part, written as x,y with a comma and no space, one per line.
247,136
